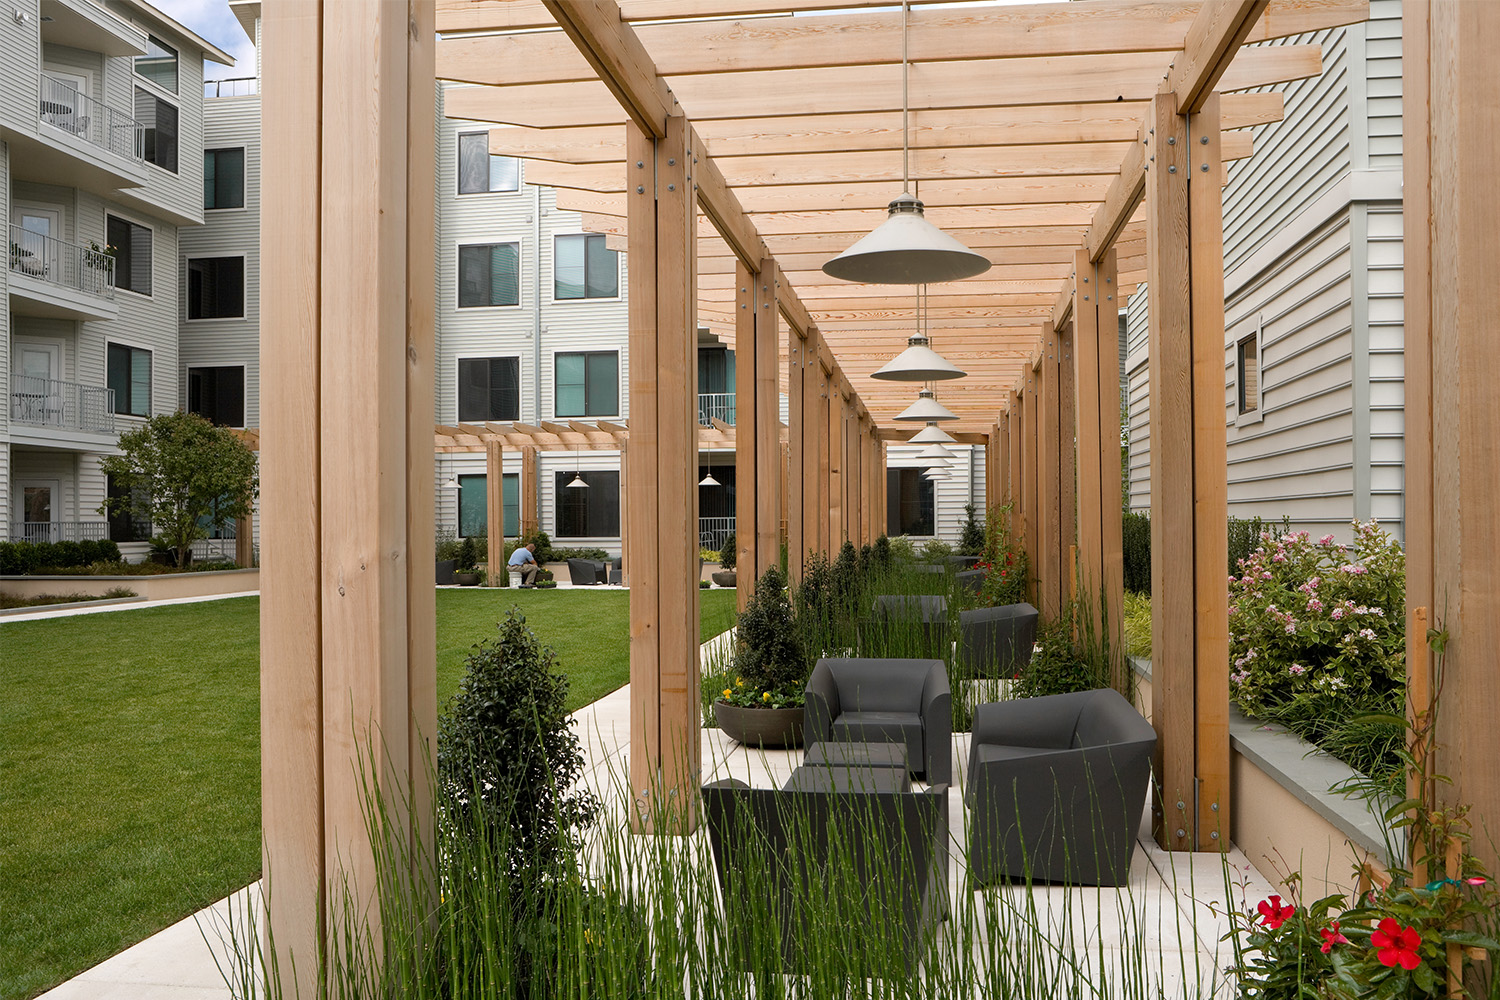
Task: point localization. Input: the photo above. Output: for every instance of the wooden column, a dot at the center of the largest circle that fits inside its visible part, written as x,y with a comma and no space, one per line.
531,490
348,624
1096,347
664,673
1048,565
806,499
1189,479
1452,429
1015,451
244,542
1067,464
747,437
823,473
494,496
625,513
768,464
835,477
1030,487
796,454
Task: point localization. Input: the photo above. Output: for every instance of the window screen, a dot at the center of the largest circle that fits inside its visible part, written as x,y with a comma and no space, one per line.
223,178
160,122
216,287
1249,374
132,246
587,384
593,512
129,375
489,389
583,267
480,172
218,394
489,275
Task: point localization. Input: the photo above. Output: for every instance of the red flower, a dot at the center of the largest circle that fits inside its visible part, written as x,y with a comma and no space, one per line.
1331,937
1274,912
1397,944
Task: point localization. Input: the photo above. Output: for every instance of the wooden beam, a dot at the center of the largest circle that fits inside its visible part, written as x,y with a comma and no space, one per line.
1213,42
621,62
531,486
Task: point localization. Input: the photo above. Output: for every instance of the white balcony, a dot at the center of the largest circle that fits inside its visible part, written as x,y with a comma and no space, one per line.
53,278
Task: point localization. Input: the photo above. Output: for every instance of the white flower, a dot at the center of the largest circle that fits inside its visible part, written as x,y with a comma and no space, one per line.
1035,649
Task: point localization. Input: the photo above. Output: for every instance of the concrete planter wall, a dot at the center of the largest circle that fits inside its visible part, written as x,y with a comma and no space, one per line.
150,588
1284,811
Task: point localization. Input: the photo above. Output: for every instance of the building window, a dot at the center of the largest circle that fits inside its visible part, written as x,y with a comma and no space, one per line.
489,389
218,394
489,274
910,507
132,245
584,268
124,526
1248,365
216,287
479,171
159,119
473,505
588,513
158,65
130,378
224,178
587,384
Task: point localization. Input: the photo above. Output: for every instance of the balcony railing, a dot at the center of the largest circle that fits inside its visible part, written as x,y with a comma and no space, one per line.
239,86
94,122
66,265
50,402
712,531
58,531
715,406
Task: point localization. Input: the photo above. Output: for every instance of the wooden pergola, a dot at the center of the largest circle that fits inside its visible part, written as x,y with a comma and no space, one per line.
731,150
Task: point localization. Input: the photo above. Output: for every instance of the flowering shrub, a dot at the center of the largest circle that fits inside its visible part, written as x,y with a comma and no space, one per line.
1311,623
1004,564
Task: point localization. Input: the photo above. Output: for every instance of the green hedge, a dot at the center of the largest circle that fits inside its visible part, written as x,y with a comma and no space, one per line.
22,558
1244,537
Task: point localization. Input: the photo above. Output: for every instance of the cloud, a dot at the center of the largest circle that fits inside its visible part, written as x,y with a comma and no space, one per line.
213,20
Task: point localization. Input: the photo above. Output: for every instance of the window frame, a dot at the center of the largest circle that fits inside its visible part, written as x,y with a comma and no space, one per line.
175,105
619,293
458,167
125,522
151,258
244,178
560,478
1242,416
150,379
187,295
586,415
458,289
458,384
894,511
177,66
187,392
505,477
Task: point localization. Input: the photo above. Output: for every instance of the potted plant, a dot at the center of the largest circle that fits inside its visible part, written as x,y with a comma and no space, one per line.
725,576
761,704
468,557
447,552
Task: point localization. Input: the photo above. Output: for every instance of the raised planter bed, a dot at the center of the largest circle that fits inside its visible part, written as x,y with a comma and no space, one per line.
148,588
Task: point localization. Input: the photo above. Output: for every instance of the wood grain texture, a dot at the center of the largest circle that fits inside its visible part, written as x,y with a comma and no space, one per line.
1111,543
769,485
1049,545
747,462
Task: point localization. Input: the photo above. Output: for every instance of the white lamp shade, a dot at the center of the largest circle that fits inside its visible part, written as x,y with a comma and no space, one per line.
451,483
936,451
578,482
936,472
709,480
927,409
918,363
906,249
931,434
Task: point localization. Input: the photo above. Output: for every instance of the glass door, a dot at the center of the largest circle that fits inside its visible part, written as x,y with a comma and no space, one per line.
38,509
33,235
35,392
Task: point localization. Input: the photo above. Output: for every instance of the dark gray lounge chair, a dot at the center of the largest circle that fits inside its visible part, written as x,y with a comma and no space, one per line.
616,571
1056,788
996,642
884,701
913,624
971,580
963,562
783,855
587,572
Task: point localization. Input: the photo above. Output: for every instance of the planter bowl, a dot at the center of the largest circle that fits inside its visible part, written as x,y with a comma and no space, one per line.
464,579
771,728
725,578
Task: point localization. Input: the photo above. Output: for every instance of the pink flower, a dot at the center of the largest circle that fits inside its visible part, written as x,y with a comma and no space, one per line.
1278,557
1331,936
1337,613
1315,605
1476,880
1274,913
1296,669
1327,540
1396,944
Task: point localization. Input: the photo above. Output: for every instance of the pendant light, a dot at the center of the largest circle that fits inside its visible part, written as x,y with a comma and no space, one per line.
935,473
936,451
906,249
709,479
577,483
919,362
927,408
931,434
451,483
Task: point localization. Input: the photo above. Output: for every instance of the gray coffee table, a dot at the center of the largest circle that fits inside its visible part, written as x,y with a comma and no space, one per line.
839,778
840,754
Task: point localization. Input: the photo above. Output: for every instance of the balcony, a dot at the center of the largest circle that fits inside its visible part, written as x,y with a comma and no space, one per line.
715,406
60,408
76,141
94,122
236,86
59,531
714,531
52,278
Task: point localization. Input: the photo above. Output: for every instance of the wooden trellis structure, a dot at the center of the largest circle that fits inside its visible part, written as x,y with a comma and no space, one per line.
731,151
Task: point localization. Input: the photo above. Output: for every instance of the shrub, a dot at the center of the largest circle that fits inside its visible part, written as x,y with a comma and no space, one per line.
468,556
21,558
936,551
1313,629
1003,561
447,547
543,545
880,553
971,542
505,748
1135,536
1057,666
903,549
769,662
1138,624
729,553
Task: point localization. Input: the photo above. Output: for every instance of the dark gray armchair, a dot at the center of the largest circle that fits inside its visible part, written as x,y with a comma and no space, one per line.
587,572
616,573
885,701
820,865
971,580
996,642
960,563
1056,788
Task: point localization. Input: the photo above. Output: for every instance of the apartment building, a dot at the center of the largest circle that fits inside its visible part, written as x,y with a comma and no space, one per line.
101,171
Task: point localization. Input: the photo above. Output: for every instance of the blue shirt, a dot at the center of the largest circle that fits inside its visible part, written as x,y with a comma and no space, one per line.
521,557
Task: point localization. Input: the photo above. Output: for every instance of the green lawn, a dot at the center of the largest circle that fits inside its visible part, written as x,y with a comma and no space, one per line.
130,774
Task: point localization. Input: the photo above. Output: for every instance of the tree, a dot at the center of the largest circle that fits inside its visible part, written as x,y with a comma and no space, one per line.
183,474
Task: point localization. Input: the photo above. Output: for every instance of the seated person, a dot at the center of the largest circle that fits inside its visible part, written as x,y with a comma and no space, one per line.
524,558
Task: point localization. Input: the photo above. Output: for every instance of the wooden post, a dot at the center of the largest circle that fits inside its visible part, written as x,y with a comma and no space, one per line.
747,434
1452,427
1067,466
494,495
823,474
797,438
835,466
768,465
1048,565
348,683
1030,487
664,672
1189,484
806,500
1016,452
531,490
244,542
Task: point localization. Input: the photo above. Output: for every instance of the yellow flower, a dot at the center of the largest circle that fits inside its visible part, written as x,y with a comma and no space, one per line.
588,936
728,693
739,682
766,696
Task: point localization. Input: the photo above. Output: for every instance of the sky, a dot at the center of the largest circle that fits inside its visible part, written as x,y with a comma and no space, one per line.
212,20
